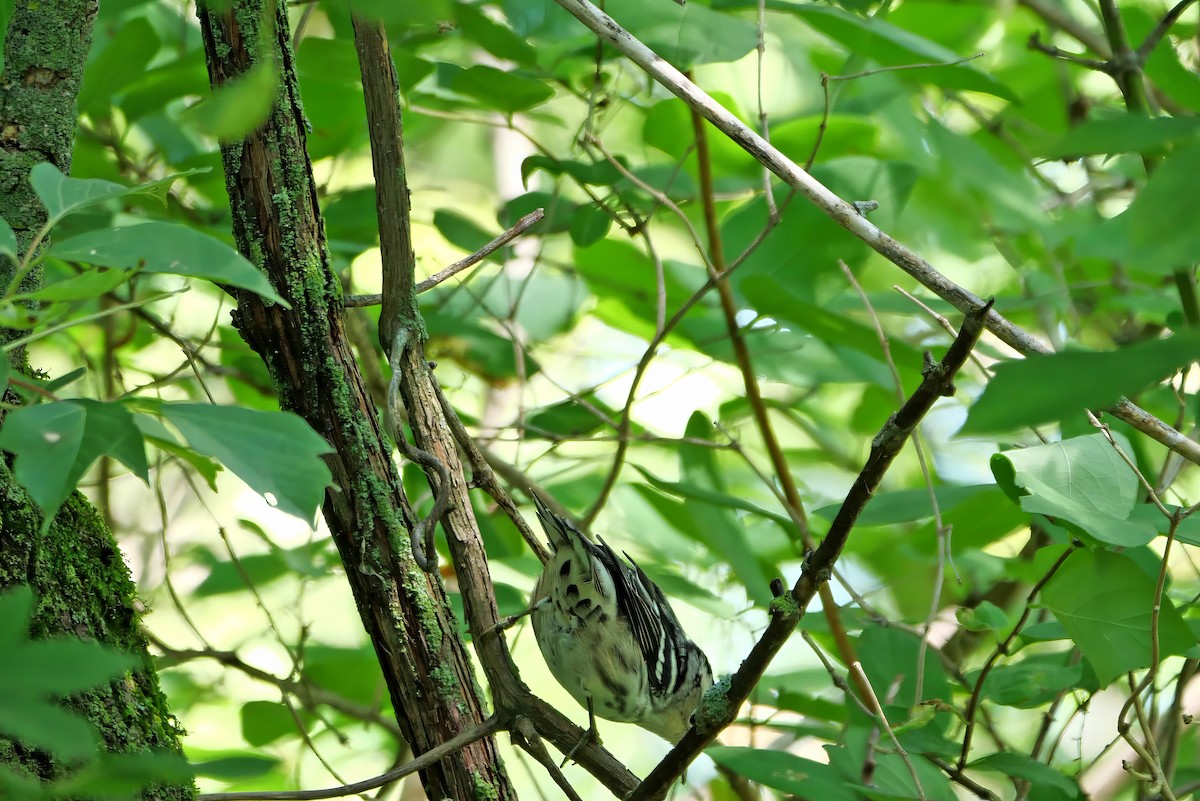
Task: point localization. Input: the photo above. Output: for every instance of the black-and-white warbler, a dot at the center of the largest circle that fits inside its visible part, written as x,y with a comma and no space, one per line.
610,637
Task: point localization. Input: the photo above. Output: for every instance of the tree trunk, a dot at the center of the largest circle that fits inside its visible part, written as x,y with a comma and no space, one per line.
277,225
75,570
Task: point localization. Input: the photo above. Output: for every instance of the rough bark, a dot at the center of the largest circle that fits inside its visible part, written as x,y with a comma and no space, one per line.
75,570
277,225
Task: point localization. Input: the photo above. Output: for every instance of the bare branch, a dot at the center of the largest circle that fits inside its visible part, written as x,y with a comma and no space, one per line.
430,757
523,225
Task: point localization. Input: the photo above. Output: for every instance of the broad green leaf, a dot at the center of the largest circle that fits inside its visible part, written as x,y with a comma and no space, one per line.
237,107
62,195
499,40
122,61
8,242
264,722
984,617
461,231
1080,481
589,225
783,771
124,775
16,605
686,36
687,491
276,453
508,92
909,505
60,667
599,173
88,285
34,674
165,440
770,297
160,247
1160,229
889,655
234,765
350,672
46,441
56,443
1128,133
4,370
46,725
110,430
1045,388
6,12
1105,602
890,46
1030,683
1045,782
720,530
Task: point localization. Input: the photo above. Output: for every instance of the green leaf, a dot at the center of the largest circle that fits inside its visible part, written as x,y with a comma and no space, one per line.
124,775
1161,233
1082,482
6,12
1046,783
771,297
8,242
689,491
461,231
45,440
786,772
160,247
4,370
890,46
16,606
60,667
1128,133
238,106
984,617
276,453
716,527
122,61
110,430
34,674
47,726
87,285
1031,682
62,195
1046,388
589,225
56,443
907,506
1105,602
264,722
508,92
236,766
686,36
499,40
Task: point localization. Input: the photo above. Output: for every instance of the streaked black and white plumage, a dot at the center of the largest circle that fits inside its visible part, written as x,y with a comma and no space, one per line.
610,637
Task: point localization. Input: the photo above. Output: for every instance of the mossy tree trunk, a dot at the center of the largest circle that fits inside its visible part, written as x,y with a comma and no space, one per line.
277,225
75,570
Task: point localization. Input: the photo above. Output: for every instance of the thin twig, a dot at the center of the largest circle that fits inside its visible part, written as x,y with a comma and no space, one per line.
523,224
879,715
1160,30
425,760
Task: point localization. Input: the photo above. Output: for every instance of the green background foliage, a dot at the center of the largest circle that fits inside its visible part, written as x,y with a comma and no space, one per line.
1046,560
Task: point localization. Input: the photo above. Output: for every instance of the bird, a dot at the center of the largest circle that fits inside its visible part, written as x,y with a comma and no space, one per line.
610,637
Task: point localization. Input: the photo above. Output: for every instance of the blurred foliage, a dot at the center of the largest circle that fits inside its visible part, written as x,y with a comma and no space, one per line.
1044,569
